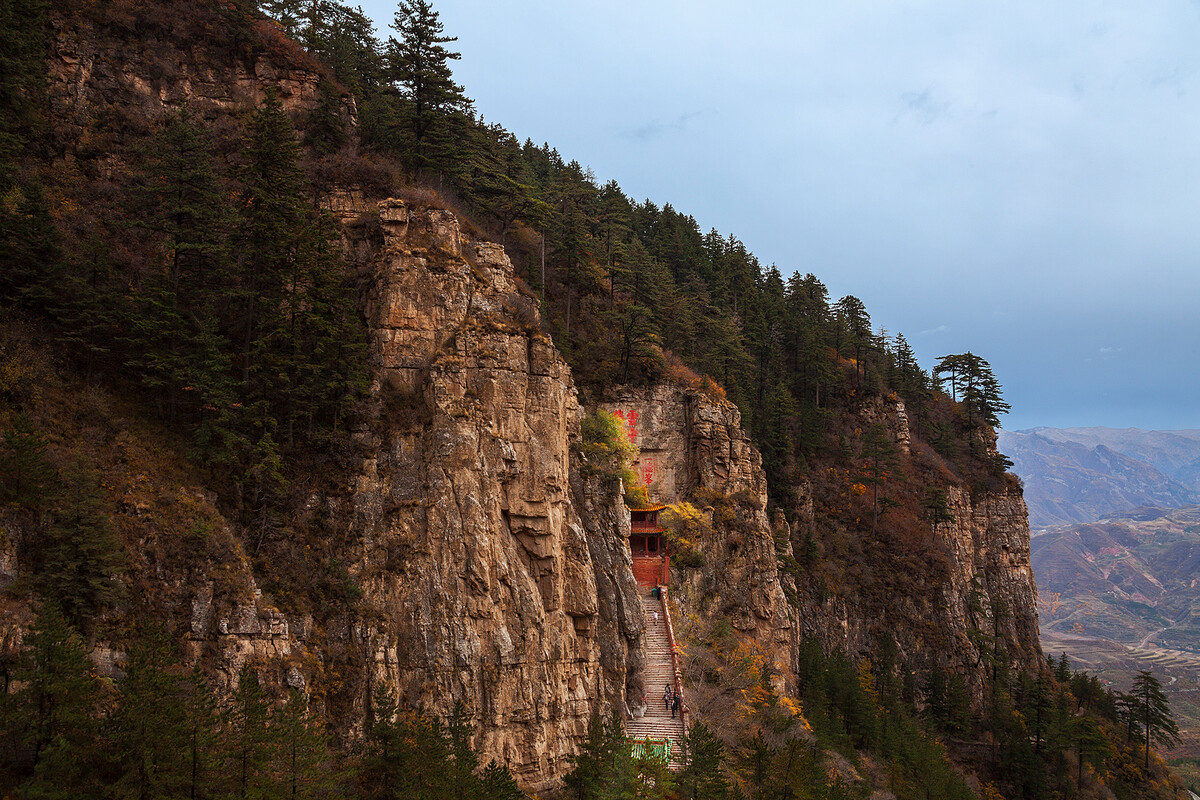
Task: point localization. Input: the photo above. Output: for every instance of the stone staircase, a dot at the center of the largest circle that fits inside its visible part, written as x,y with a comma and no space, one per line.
660,672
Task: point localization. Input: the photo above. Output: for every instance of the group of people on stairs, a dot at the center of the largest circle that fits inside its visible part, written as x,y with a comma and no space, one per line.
671,701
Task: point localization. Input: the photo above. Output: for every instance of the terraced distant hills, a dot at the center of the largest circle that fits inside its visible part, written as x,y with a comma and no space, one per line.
1123,594
1129,578
1074,475
1116,553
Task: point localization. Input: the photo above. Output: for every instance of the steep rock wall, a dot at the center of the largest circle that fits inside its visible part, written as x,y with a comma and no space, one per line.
490,574
112,72
947,598
688,440
942,602
487,586
692,447
946,616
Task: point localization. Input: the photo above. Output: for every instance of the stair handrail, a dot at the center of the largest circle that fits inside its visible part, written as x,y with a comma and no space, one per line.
683,709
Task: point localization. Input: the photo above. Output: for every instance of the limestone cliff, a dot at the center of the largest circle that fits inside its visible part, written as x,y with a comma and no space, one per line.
941,598
485,569
479,567
949,591
492,580
692,447
688,440
115,68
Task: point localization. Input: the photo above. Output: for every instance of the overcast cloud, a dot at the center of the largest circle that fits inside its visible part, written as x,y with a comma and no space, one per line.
1020,179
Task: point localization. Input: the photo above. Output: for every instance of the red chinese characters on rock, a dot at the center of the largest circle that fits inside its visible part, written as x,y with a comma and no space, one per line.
630,418
646,467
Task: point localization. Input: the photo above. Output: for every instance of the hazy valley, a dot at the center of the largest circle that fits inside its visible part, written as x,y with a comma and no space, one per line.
1116,548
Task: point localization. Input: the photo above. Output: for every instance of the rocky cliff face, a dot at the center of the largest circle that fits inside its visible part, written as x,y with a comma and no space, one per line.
491,574
487,572
692,447
949,609
970,580
494,581
948,593
114,71
688,440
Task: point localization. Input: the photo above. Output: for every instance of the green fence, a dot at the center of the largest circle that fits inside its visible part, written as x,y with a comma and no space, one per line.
647,747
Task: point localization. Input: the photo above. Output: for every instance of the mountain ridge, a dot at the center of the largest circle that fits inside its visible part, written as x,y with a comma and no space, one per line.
1083,474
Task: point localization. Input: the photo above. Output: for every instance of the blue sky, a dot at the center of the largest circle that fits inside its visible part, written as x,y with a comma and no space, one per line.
1019,179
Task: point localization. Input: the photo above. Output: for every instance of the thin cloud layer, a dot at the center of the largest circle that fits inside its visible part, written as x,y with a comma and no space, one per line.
1021,179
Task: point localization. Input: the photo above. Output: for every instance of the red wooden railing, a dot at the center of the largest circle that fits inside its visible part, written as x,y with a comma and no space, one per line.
683,709
646,527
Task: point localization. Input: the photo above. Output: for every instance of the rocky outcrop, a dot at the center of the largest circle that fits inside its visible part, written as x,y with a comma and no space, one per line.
942,598
948,593
692,448
688,440
622,624
978,589
487,586
107,87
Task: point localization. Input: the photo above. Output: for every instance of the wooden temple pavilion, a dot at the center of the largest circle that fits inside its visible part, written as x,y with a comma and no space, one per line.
648,546
645,534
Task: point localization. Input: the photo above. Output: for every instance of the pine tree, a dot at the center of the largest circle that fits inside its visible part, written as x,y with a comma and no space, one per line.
499,784
346,42
27,479
202,745
854,332
419,64
31,272
496,180
574,249
971,377
463,783
409,755
303,764
702,778
936,505
908,378
382,776
176,325
53,715
1091,745
325,132
1153,712
79,563
23,39
878,457
251,742
272,214
150,731
302,344
588,764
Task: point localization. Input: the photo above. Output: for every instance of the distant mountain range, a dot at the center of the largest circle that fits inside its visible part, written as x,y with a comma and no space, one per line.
1122,595
1075,475
1124,578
